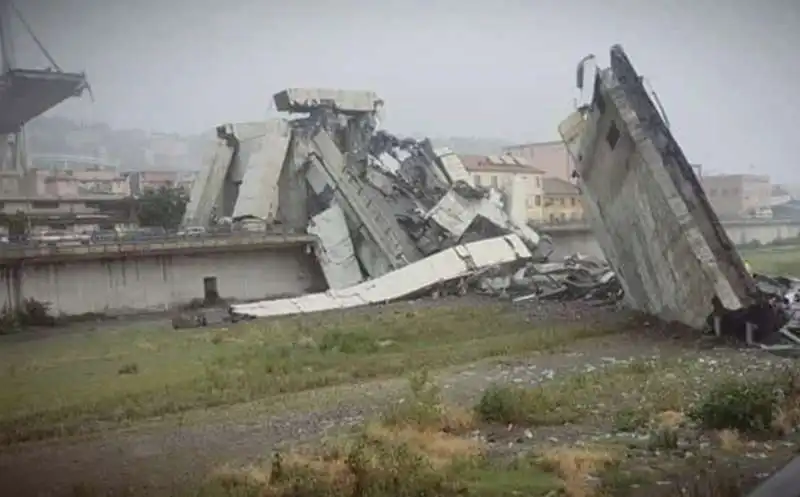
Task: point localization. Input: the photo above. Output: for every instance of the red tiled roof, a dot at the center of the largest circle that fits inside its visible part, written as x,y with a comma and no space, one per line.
557,186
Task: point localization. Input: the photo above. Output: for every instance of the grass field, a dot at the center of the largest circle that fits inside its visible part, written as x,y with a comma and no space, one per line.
78,382
661,420
567,431
777,260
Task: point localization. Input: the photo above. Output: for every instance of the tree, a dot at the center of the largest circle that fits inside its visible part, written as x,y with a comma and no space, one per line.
162,208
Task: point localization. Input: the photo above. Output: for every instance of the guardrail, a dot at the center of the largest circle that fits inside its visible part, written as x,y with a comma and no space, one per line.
155,245
141,238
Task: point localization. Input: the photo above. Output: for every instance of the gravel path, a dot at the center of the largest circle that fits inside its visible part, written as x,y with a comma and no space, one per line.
158,459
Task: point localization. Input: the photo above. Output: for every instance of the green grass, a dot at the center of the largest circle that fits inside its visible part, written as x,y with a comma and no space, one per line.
776,260
77,383
404,454
629,396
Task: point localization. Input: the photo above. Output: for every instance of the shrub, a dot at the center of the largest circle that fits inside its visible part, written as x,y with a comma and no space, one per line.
738,405
425,410
517,405
129,368
31,313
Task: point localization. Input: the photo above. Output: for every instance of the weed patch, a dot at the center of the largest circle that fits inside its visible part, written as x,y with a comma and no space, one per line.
411,452
72,384
524,406
751,406
576,465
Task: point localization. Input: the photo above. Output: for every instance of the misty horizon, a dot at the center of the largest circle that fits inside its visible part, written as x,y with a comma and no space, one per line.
505,72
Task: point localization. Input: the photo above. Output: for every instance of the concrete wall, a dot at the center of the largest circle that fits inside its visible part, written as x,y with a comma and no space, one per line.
568,241
150,283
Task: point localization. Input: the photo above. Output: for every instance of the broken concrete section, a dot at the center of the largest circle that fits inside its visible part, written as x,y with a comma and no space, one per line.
648,211
448,265
377,203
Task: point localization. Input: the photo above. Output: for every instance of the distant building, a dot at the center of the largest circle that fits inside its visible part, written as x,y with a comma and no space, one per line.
737,195
142,181
76,214
519,182
71,162
73,183
779,196
562,201
552,158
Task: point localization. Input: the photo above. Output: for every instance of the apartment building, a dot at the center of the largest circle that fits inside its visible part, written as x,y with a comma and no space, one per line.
550,157
69,183
142,181
562,202
519,183
77,214
737,195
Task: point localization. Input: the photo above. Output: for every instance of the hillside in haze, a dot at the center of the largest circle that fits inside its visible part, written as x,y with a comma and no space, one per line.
135,149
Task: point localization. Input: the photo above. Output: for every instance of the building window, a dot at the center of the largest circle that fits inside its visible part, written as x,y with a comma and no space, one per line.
44,204
477,180
538,182
562,201
538,199
494,181
574,201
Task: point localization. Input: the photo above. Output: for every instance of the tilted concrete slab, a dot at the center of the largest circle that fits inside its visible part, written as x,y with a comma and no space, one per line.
262,159
208,185
359,203
335,251
646,207
450,264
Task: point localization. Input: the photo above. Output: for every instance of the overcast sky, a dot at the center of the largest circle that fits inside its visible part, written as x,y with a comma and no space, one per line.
726,72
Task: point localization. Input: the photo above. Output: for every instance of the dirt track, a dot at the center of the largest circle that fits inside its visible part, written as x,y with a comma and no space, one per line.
168,456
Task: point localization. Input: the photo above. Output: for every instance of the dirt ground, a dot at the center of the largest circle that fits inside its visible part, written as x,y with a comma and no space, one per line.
172,455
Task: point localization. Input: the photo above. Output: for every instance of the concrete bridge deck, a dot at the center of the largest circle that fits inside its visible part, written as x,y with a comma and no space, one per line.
44,254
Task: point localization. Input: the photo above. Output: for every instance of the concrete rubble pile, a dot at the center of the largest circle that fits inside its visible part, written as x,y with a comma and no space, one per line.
393,217
652,218
577,277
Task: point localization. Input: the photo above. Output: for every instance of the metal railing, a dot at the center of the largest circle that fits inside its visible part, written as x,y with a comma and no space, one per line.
19,242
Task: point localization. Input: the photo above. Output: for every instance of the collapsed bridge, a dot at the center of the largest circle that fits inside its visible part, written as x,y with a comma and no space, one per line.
395,217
